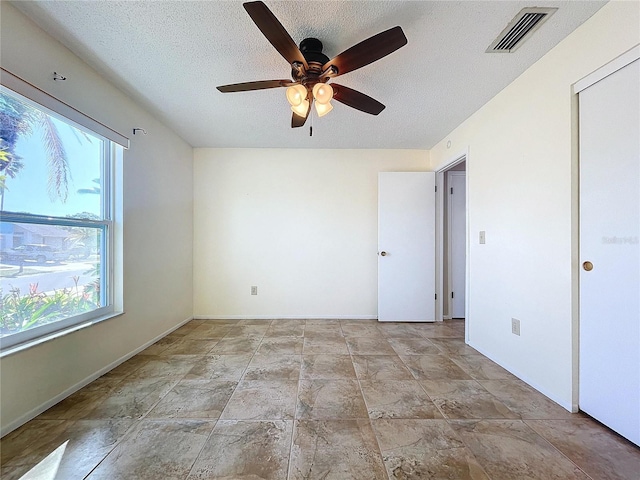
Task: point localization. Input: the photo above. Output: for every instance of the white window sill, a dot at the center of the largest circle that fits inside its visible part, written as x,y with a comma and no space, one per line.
61,333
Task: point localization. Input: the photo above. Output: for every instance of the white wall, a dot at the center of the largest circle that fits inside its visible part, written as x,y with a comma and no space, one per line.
157,228
522,173
301,225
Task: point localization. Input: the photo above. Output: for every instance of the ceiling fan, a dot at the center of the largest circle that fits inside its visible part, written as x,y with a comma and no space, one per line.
311,69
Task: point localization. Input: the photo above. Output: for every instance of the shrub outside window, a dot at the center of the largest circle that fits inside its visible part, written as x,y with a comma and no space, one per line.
56,223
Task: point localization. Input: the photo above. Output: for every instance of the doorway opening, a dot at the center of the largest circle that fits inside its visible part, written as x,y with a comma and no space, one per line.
452,241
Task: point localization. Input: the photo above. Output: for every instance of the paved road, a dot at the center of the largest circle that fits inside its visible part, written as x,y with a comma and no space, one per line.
50,277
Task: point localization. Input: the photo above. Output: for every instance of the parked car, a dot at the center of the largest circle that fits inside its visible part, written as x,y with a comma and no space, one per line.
78,251
34,251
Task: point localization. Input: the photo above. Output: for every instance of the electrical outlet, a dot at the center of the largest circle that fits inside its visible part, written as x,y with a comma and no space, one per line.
515,326
254,290
483,237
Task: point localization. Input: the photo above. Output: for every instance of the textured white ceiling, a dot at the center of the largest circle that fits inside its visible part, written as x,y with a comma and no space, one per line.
170,56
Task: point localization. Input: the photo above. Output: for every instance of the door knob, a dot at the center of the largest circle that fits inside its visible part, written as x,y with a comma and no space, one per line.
588,266
384,254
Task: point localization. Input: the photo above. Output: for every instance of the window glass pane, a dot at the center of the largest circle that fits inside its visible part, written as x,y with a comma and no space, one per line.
47,166
48,273
54,222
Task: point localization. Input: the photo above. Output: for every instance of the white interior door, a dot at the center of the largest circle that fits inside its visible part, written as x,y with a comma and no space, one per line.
609,240
406,246
457,235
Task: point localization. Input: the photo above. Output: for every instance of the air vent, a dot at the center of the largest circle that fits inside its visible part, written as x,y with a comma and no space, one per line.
527,21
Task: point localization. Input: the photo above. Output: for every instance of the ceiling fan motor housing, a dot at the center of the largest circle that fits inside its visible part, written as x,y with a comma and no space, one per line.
311,49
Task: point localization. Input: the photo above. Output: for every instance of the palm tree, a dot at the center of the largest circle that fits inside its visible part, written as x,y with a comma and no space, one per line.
18,119
10,165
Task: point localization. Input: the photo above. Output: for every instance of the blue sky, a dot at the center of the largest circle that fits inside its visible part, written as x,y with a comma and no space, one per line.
28,191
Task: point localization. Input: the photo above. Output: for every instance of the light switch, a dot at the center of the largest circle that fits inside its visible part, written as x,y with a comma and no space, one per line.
482,238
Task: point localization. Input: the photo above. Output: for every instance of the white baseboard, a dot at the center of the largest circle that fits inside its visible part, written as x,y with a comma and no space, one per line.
83,383
285,317
566,405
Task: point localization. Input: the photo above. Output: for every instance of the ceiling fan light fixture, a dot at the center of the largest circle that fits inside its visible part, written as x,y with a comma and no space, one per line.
302,109
296,95
323,108
323,93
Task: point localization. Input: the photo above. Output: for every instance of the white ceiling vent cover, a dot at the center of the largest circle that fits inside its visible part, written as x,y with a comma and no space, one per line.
527,21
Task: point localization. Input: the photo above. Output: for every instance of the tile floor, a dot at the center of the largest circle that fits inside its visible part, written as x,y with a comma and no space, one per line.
296,399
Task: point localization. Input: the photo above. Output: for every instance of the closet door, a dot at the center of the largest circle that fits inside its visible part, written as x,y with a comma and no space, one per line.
610,250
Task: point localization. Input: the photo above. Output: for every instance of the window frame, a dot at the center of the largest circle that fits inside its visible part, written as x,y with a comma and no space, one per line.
110,154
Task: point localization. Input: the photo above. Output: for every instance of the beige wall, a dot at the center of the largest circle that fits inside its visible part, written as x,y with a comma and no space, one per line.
522,169
157,229
301,225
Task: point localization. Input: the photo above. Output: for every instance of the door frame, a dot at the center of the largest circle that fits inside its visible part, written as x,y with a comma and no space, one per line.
454,160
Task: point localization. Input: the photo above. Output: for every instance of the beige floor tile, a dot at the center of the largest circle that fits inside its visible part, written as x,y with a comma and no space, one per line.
327,367
369,346
79,404
219,367
262,400
323,330
413,346
335,450
133,398
280,346
195,399
593,447
273,367
320,345
245,450
509,449
425,449
453,346
156,449
330,399
399,330
166,366
184,329
285,330
236,345
83,444
441,331
321,322
524,400
480,367
16,472
465,399
28,444
207,330
397,399
247,331
433,367
361,329
380,367
161,346
287,321
359,321
260,322
130,366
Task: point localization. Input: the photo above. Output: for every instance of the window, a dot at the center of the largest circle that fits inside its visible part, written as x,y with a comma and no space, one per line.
56,219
